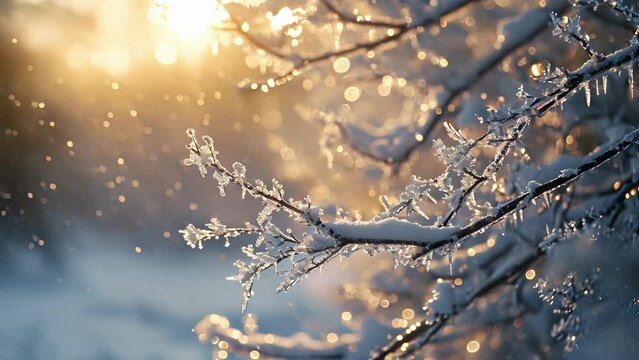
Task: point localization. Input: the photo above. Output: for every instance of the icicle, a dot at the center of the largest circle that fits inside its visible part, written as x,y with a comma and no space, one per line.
547,199
450,262
631,80
597,87
605,84
586,87
429,258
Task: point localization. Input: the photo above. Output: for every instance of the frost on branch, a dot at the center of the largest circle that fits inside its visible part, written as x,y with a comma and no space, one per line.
195,237
564,299
526,185
324,241
319,243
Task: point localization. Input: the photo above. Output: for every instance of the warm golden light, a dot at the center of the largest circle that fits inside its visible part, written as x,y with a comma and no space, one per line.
341,65
616,185
472,346
332,338
166,54
408,314
188,28
490,243
190,19
536,70
352,93
346,316
115,60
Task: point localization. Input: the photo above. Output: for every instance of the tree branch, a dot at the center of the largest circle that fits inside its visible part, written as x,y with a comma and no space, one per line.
359,20
302,62
425,330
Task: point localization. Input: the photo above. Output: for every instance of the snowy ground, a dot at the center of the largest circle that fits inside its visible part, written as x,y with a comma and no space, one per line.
110,304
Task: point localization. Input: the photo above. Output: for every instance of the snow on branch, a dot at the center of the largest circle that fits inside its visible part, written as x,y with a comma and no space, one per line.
397,146
300,62
489,182
569,28
323,242
360,20
565,298
450,302
556,87
629,13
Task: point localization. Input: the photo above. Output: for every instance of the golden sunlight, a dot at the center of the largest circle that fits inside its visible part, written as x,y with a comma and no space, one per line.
188,25
189,19
166,54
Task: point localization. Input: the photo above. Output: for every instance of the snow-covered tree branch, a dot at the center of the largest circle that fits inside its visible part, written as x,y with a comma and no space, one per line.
533,169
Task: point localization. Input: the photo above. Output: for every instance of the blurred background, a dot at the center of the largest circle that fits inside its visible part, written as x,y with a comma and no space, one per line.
95,98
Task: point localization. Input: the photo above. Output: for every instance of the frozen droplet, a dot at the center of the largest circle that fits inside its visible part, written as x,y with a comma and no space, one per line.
429,258
450,261
631,80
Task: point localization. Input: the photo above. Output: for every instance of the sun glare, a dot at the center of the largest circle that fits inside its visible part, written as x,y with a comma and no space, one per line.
190,19
188,27
166,54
